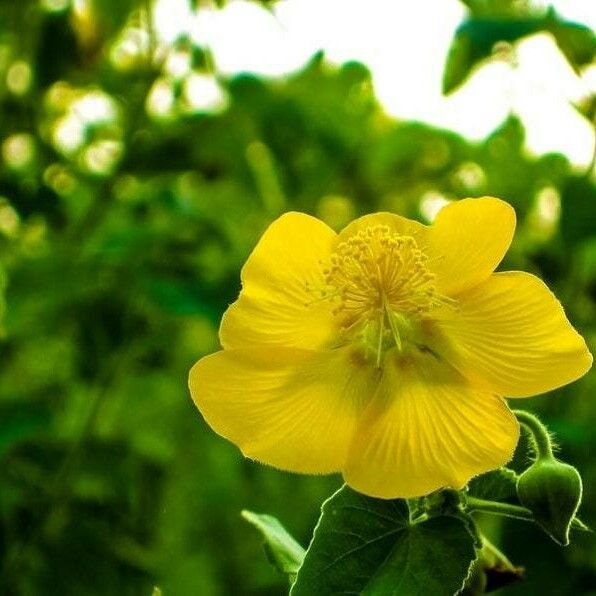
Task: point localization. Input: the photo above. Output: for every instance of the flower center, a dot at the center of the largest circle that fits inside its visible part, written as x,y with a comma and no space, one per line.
382,287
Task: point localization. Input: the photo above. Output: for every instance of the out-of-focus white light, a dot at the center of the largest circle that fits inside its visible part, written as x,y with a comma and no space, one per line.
68,134
18,150
160,101
431,203
55,5
204,94
101,157
178,63
80,6
9,219
19,77
95,107
543,89
392,39
131,49
543,218
470,177
548,203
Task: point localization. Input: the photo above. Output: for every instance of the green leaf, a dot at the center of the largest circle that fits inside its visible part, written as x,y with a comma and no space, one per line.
576,41
112,14
283,551
21,419
3,284
578,213
489,24
459,62
474,41
369,546
497,485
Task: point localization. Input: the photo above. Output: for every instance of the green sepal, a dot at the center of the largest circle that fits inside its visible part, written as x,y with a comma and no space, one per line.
364,545
282,550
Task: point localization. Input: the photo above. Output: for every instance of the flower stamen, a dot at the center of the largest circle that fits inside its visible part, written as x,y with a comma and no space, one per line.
380,284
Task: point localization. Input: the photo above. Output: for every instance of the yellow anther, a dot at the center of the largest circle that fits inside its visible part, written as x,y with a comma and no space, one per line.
380,280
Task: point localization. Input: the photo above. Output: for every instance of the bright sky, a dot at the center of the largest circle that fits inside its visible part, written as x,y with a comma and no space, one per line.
394,40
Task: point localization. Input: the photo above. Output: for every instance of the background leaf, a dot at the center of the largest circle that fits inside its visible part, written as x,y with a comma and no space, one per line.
492,22
284,552
474,41
576,41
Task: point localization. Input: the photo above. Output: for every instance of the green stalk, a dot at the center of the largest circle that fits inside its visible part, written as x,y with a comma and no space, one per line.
474,504
498,508
539,432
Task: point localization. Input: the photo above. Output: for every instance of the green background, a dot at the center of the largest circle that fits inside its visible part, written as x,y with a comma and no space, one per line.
118,255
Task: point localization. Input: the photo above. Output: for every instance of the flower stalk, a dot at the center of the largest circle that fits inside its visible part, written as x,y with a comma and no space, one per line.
474,505
538,432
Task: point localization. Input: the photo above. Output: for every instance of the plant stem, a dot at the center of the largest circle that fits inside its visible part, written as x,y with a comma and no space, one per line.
486,506
474,504
539,433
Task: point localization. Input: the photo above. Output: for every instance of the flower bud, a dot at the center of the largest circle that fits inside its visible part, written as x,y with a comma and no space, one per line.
552,491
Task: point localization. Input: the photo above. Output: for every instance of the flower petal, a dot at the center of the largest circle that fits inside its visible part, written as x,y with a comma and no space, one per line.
275,306
293,409
396,223
468,239
510,335
427,428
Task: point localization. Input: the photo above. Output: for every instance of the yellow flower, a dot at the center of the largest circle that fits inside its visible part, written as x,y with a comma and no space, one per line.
383,352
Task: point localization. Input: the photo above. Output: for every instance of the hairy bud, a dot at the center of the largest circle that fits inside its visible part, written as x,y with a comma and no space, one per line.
552,491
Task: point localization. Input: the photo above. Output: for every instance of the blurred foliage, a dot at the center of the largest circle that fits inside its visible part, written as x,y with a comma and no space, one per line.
133,185
492,25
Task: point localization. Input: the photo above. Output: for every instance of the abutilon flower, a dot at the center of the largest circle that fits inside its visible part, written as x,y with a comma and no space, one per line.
384,352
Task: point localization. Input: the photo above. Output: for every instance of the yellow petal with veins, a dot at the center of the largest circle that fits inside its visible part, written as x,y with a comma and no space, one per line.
426,429
382,352
293,409
510,335
279,303
467,240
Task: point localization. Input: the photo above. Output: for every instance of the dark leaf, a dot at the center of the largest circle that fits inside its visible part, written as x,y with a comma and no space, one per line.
363,545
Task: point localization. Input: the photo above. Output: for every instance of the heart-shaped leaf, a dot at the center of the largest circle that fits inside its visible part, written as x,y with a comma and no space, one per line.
363,545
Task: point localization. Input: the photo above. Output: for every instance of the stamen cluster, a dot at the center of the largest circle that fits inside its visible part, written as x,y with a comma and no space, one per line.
377,273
